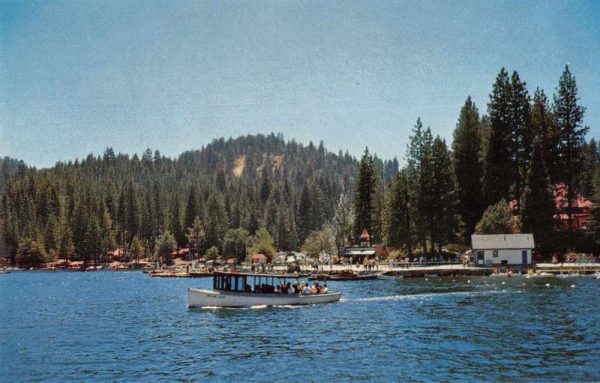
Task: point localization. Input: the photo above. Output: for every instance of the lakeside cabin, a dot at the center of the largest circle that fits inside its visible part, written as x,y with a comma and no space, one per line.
502,249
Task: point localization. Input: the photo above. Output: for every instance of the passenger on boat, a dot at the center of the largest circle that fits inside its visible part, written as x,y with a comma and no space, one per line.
324,290
287,288
295,288
306,289
314,289
247,288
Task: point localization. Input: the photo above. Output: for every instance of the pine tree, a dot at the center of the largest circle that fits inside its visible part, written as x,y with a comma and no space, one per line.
397,222
538,208
343,220
521,136
544,128
496,178
175,223
192,208
235,243
414,159
468,169
216,220
195,235
571,133
364,195
164,247
304,212
443,218
593,224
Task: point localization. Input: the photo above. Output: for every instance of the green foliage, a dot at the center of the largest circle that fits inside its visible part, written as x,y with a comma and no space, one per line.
319,242
593,223
537,203
30,253
343,219
545,130
137,248
165,245
212,253
496,178
571,136
216,220
235,243
195,235
430,185
496,219
468,168
397,219
365,209
262,243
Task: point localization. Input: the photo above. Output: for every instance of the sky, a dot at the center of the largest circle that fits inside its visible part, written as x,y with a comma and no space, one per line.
79,76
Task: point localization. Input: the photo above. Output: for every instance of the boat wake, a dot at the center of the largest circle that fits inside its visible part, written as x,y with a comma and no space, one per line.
258,307
421,296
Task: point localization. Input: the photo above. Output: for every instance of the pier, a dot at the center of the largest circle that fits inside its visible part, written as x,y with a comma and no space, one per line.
568,268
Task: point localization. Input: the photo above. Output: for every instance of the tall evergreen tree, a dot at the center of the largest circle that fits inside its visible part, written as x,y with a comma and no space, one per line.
443,217
538,208
192,208
216,221
467,166
496,178
544,129
571,134
364,195
397,220
176,224
521,135
304,211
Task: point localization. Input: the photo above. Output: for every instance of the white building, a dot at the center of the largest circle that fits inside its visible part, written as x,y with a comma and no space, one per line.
502,249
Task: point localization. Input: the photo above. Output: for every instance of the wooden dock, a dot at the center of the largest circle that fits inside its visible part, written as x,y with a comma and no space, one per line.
568,268
438,271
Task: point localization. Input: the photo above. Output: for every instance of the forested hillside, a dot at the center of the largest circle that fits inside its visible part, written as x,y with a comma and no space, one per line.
83,209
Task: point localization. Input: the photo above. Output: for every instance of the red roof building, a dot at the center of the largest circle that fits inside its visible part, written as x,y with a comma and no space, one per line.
580,208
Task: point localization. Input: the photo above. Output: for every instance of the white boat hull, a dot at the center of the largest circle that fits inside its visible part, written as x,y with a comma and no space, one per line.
211,298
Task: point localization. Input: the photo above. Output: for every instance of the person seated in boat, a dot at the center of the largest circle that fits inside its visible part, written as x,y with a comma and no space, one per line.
287,288
256,288
247,288
314,289
324,290
305,289
295,288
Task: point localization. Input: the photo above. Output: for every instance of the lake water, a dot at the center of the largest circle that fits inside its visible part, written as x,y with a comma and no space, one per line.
127,326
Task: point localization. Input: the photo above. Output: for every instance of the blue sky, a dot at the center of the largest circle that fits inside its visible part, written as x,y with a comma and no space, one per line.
78,76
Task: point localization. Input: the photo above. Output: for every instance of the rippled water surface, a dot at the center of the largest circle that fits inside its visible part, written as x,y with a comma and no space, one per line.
127,326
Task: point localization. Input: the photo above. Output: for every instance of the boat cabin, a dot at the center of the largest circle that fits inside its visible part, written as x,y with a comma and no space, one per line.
250,283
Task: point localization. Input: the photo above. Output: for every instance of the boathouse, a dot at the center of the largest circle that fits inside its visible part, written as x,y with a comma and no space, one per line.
502,249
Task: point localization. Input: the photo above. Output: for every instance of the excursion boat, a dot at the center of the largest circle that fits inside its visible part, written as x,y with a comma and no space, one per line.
233,289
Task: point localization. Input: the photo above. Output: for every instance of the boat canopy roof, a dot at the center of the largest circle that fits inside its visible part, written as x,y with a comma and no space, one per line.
262,275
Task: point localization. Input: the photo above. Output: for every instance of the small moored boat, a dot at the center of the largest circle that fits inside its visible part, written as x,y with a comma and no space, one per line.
232,289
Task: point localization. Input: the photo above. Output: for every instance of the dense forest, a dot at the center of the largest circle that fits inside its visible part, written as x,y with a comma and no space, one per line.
217,198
